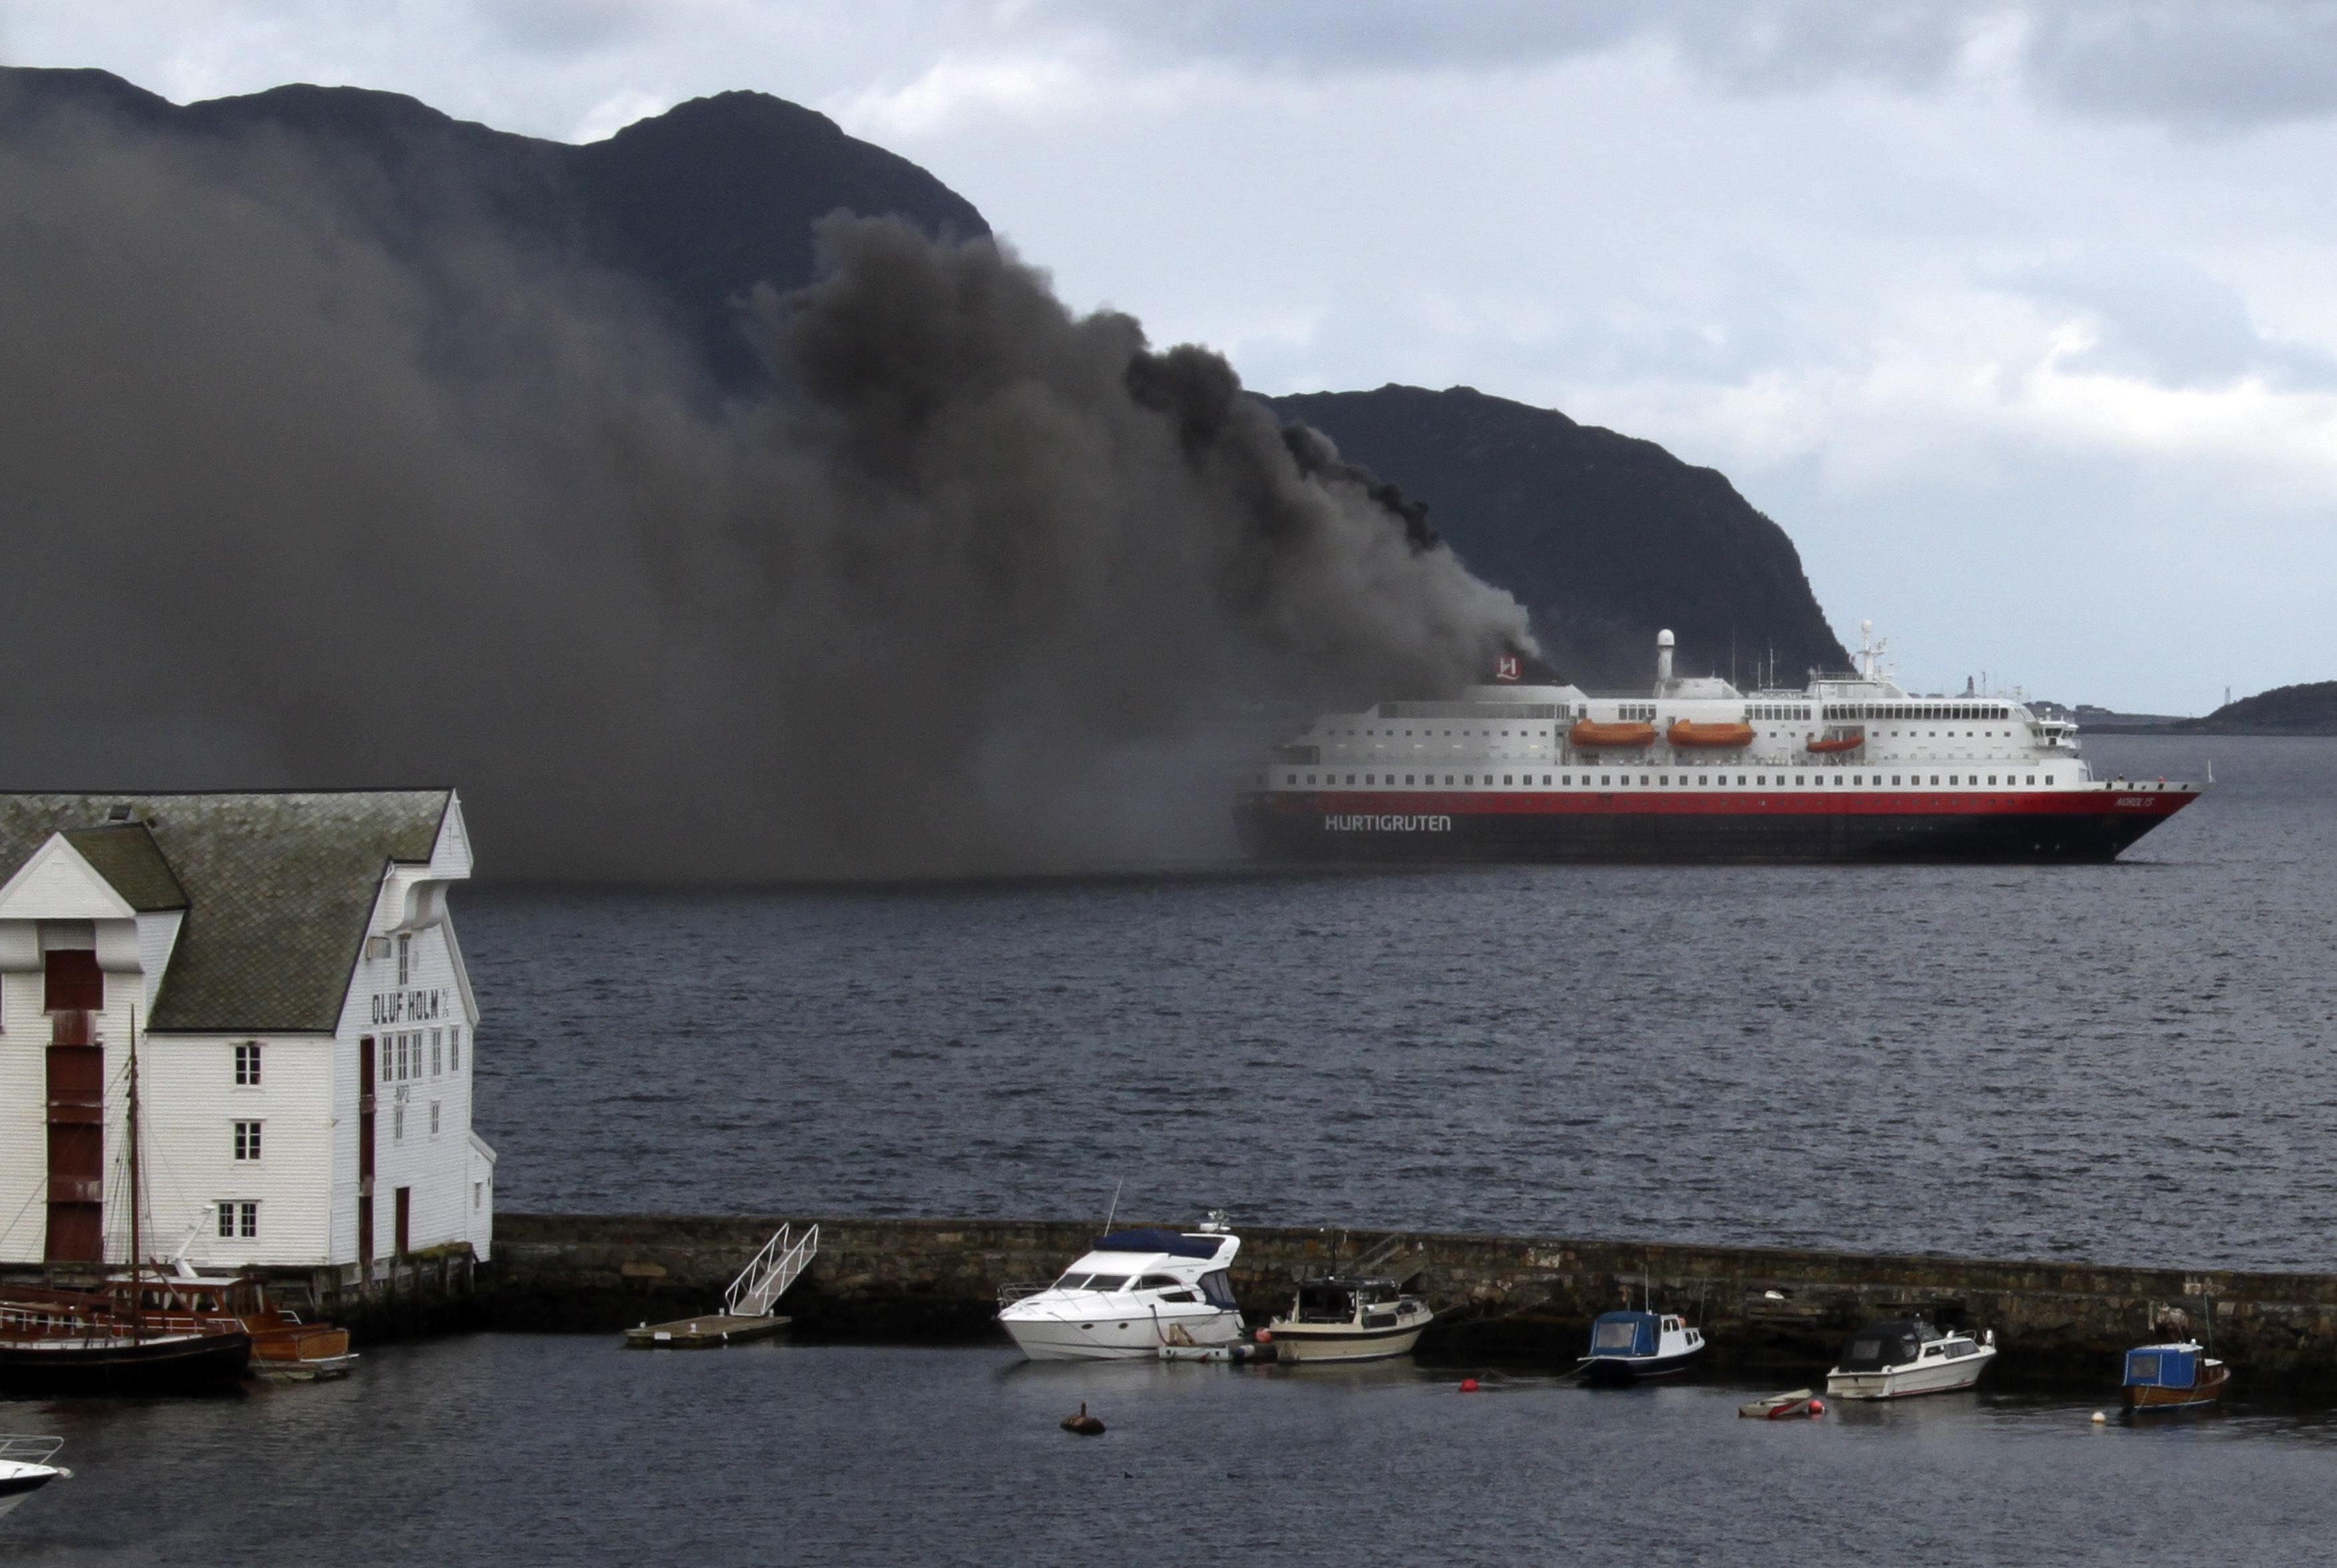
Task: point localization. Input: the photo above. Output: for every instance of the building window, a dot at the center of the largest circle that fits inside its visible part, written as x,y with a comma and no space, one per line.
247,1065
478,1195
433,1118
405,957
437,1052
387,1042
247,1140
455,1049
398,1126
239,1219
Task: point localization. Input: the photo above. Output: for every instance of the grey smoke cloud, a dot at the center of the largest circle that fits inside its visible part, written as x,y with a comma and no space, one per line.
296,496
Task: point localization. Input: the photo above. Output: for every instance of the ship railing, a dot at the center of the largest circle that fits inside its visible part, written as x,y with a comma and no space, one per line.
1014,1291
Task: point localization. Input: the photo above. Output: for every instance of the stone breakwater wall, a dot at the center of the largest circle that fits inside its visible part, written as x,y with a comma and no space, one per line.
1527,1298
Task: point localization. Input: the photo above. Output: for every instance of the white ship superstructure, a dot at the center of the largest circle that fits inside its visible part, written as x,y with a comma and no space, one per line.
1852,766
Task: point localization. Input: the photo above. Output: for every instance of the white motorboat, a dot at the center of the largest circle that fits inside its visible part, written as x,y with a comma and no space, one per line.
1131,1296
1341,1318
1627,1346
25,1468
1895,1358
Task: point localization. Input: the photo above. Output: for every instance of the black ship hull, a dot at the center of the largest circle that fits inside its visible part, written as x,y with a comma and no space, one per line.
174,1363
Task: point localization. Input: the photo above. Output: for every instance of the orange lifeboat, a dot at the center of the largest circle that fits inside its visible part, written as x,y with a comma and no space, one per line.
1837,743
1586,734
1688,732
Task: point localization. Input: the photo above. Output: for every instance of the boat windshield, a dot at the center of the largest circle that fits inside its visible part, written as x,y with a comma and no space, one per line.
1071,1282
1623,1337
1105,1281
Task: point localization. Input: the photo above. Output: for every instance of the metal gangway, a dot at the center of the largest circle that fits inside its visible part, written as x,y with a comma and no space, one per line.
778,1265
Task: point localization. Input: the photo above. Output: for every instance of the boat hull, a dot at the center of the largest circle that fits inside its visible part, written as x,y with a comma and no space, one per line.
1307,1342
2209,1389
1139,1337
1631,1368
170,1364
18,1482
1944,1376
1703,826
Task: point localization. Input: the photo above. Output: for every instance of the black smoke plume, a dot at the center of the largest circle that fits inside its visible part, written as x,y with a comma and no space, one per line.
297,498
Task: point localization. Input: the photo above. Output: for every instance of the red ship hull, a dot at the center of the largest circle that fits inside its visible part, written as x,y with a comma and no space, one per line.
2090,824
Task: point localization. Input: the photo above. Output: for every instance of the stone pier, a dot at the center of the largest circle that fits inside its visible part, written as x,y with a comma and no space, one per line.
1511,1298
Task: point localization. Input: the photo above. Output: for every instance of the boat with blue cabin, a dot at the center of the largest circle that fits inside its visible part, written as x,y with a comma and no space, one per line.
1628,1346
2176,1375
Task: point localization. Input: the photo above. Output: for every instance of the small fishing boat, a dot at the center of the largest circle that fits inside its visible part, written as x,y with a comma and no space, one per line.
2176,1375
1129,1296
1895,1358
1341,1318
283,1346
25,1468
1627,1346
1794,1407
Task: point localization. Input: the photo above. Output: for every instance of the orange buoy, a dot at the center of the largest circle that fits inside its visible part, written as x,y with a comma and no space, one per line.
1085,1425
1266,1336
1586,734
1688,732
1467,1385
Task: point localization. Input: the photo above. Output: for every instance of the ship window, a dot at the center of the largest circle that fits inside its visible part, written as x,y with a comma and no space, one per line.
1448,778
1310,778
2048,778
1896,779
1740,781
1953,779
1407,778
1606,779
1507,779
1468,778
1991,779
1935,781
1351,779
2032,778
1369,778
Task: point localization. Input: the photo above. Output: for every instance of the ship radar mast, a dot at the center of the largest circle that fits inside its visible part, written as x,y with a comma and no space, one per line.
1871,651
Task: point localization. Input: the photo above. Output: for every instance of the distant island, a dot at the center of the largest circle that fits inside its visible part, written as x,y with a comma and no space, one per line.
2307,709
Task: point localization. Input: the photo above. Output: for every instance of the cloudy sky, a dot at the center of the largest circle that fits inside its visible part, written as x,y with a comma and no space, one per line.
2019,318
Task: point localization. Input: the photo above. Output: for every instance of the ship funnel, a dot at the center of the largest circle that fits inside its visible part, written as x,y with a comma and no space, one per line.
1663,659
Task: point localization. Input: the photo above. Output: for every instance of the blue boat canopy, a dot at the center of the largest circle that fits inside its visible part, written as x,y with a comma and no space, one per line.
1624,1334
2162,1367
1158,1240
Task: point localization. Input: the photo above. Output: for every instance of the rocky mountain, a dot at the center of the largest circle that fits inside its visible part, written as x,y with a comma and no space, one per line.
699,203
1605,538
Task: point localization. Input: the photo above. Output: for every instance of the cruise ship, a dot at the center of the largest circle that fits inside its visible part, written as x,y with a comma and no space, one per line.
1848,768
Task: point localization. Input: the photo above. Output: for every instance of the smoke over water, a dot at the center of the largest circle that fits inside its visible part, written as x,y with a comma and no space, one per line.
300,496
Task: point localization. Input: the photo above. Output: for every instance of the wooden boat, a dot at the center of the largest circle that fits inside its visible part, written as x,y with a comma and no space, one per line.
71,1342
55,1341
2174,1376
1827,745
282,1344
1586,734
1688,733
1799,1404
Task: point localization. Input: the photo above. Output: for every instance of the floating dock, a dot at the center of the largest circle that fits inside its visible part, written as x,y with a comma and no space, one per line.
709,1332
1497,1297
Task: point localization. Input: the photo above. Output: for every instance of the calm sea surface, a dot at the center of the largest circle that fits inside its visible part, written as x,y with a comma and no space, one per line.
519,1450
2120,1062
2128,1062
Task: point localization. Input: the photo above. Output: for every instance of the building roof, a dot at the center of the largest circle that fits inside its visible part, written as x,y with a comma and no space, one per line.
125,855
279,888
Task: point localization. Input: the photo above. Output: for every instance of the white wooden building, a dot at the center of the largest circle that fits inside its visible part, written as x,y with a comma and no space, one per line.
305,1030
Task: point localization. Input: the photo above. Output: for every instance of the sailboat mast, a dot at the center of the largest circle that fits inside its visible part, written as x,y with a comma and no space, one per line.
137,1294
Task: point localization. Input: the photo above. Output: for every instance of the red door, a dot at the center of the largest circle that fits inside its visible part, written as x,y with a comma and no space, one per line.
405,1210
365,1155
